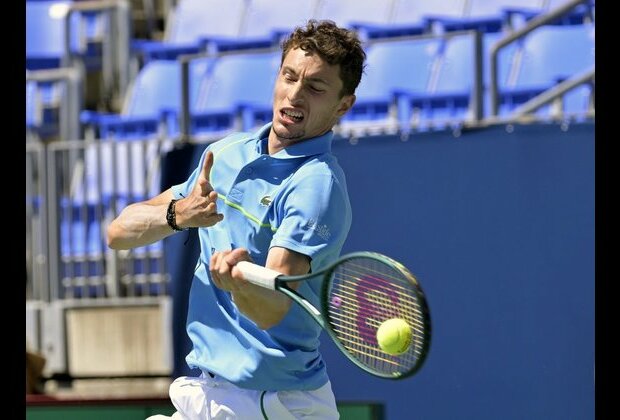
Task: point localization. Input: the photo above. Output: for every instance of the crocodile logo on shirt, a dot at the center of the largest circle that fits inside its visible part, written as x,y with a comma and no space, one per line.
265,201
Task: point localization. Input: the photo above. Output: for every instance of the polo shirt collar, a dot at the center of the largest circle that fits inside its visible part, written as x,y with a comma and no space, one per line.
315,146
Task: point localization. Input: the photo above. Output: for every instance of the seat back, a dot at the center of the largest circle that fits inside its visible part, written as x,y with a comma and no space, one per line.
237,80
414,11
553,53
45,33
194,19
486,8
397,65
156,87
264,16
347,12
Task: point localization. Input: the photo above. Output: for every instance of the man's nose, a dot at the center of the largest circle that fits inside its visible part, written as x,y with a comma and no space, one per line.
296,94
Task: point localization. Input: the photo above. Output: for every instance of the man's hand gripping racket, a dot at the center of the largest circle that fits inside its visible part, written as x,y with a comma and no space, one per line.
371,306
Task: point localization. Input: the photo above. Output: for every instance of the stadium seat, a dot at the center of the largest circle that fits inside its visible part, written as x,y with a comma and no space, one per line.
394,68
45,35
111,175
485,15
551,54
236,94
351,13
153,100
414,11
33,115
81,250
193,26
53,100
449,95
42,106
448,98
265,19
413,17
582,13
507,14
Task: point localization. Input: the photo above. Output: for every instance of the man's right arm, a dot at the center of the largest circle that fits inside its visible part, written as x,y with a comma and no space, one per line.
145,222
141,223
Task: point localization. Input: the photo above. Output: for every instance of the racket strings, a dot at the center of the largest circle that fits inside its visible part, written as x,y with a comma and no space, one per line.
348,291
366,292
350,287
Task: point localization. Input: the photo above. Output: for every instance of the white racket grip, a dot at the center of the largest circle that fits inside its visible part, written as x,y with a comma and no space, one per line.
261,276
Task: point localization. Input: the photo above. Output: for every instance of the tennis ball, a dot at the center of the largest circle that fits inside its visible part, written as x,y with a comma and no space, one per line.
394,336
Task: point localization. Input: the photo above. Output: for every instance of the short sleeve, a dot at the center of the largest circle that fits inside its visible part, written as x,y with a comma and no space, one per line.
316,217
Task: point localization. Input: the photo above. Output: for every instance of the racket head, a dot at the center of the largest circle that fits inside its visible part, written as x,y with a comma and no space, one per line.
360,292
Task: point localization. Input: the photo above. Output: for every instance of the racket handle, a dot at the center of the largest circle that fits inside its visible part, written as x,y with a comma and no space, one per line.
259,275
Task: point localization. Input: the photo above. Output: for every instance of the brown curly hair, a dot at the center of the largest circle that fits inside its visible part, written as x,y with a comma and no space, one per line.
335,45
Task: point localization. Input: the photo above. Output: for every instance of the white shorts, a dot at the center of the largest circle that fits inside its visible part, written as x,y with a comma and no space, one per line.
207,398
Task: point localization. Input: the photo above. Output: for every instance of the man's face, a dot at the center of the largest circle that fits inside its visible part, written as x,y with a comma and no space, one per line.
307,100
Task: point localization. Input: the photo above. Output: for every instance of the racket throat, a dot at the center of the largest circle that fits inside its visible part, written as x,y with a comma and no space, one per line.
314,312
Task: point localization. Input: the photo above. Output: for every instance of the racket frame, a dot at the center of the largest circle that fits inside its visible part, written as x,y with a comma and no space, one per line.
322,317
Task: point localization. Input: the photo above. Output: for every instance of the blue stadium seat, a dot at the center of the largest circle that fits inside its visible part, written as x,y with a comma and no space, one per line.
234,97
33,117
554,53
447,100
117,173
80,233
582,13
413,17
265,18
416,12
193,26
394,68
43,101
81,250
84,257
578,103
351,13
551,54
153,99
45,35
490,15
449,95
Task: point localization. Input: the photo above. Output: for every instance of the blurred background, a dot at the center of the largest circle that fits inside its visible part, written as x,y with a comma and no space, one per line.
474,121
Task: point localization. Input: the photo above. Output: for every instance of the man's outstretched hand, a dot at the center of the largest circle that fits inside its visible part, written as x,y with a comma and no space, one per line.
199,209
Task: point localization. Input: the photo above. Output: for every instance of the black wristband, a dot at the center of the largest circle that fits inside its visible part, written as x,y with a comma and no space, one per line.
171,217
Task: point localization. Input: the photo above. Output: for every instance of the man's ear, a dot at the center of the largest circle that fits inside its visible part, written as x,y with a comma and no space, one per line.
346,103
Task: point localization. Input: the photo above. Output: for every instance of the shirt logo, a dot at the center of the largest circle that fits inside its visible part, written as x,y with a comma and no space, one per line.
265,201
321,230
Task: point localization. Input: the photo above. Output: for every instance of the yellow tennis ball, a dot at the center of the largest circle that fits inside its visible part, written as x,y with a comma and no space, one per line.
394,336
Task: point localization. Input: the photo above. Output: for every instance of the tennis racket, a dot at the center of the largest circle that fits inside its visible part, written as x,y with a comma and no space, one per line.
359,292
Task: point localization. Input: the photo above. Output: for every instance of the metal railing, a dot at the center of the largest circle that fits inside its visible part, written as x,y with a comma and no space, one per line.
115,45
70,101
536,22
74,189
37,261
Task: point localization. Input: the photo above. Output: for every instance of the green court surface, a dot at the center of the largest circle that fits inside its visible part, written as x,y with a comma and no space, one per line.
136,410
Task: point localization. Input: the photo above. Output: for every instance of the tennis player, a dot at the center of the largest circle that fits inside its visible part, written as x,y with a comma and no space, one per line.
276,197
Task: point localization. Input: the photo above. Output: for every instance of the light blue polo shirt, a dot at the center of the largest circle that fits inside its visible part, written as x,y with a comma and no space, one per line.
295,199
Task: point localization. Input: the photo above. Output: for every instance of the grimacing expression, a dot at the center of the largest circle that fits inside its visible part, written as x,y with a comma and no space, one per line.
307,101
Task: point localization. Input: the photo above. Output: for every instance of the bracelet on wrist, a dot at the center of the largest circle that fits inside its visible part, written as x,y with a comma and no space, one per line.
171,217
